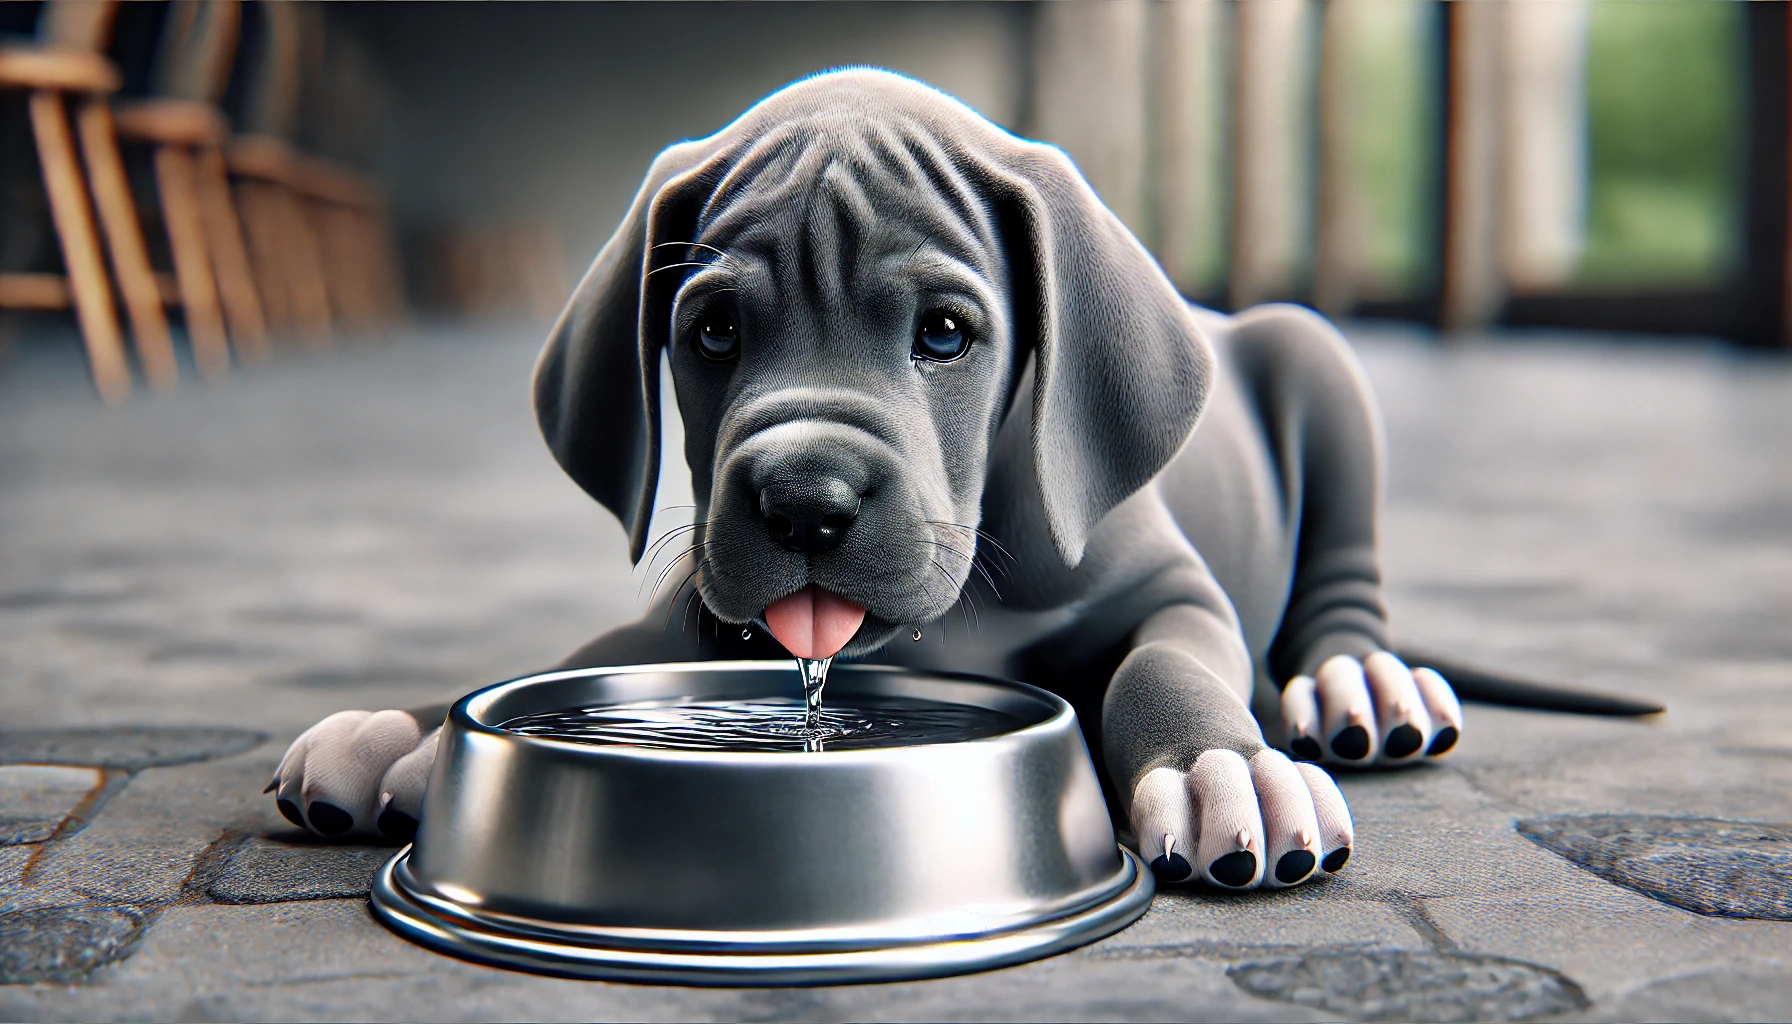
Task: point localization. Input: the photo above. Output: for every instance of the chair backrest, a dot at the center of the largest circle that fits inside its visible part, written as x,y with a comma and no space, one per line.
77,24
197,49
271,89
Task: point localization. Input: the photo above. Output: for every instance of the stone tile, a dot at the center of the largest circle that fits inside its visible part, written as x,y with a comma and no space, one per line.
13,860
130,748
65,943
298,868
145,846
34,799
1719,994
329,959
1609,939
1200,921
1722,868
1382,985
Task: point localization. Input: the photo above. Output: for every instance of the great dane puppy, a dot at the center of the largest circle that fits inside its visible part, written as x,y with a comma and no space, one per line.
916,355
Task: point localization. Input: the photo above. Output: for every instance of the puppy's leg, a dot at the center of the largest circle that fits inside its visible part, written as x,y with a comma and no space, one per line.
1208,798
1346,700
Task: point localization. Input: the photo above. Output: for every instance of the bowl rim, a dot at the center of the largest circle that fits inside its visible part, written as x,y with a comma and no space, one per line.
460,714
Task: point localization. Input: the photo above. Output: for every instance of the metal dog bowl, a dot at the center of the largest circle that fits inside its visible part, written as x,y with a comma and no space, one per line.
751,868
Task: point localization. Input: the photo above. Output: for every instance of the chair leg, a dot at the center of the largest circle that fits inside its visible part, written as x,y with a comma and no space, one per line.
261,227
192,265
311,297
348,274
80,246
388,274
124,238
236,282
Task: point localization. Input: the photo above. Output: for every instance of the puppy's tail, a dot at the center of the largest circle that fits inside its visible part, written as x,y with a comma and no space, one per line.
1485,687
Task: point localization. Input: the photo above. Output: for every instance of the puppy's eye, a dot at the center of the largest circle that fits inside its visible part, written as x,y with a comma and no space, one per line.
940,338
717,337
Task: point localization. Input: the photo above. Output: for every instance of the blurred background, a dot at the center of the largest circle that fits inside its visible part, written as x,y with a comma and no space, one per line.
204,182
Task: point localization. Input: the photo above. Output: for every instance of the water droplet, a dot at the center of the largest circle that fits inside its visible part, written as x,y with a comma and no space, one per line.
746,634
916,635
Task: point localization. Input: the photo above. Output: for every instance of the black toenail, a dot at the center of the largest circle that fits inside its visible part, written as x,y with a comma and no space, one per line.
1172,868
1351,744
290,811
1335,860
1306,748
397,825
329,819
1403,741
1294,866
1234,869
1444,740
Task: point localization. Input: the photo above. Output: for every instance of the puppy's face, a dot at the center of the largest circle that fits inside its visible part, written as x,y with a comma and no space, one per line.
842,357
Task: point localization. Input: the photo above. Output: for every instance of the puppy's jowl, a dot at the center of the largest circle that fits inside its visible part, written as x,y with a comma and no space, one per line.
915,355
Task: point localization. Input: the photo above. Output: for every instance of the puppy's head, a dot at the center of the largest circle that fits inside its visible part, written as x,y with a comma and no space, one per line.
848,281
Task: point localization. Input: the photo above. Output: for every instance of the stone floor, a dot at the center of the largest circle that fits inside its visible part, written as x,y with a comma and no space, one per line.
187,582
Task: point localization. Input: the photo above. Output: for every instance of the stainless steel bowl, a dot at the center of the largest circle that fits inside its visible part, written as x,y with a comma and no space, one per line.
760,868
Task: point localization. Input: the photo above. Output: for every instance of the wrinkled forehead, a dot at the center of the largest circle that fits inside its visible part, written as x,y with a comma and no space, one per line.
846,181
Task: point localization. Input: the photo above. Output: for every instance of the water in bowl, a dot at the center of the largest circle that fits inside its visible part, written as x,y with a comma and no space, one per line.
771,724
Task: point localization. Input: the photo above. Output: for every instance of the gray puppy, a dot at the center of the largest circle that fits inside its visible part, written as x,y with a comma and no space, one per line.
915,355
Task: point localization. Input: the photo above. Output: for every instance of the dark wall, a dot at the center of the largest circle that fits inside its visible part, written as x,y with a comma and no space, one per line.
554,111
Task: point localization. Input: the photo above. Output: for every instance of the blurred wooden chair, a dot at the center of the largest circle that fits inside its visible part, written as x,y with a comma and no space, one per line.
65,60
341,129
318,229
283,247
185,130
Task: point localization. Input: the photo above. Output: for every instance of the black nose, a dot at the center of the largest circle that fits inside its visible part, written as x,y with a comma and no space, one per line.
810,516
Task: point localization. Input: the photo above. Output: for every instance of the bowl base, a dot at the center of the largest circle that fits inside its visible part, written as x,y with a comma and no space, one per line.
544,949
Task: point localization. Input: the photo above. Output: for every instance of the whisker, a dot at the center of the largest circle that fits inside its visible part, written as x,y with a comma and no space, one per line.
917,250
973,562
960,602
671,567
675,266
672,605
684,625
977,532
688,245
648,557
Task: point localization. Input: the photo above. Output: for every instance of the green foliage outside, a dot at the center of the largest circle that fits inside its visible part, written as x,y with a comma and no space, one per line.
1666,120
1395,91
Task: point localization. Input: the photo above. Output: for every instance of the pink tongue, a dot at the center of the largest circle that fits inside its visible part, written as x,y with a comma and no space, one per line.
813,623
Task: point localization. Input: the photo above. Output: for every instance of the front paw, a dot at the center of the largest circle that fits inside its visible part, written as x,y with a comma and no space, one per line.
357,772
1241,824
1372,712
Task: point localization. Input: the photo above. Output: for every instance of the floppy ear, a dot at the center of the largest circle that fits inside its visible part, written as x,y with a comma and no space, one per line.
1121,371
597,382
